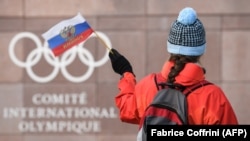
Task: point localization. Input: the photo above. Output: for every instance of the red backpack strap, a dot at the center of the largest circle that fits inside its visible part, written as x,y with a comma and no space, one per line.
191,88
160,79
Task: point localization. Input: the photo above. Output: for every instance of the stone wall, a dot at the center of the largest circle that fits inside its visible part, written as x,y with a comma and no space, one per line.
138,29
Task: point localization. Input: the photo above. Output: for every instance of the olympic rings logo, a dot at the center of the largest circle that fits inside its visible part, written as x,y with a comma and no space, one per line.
66,58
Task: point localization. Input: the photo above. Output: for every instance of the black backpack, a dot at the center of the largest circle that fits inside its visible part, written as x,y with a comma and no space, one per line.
169,106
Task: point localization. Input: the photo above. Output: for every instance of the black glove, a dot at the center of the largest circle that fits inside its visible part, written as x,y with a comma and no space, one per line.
119,63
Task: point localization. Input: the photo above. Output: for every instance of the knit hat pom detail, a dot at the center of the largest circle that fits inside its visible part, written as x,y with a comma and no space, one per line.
187,16
187,35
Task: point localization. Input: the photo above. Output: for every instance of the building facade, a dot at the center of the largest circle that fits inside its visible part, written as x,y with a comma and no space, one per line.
72,97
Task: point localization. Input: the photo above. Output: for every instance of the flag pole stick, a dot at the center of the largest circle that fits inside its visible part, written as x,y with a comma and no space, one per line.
102,41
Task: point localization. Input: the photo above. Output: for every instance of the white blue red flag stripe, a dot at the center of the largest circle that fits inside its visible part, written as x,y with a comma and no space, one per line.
67,34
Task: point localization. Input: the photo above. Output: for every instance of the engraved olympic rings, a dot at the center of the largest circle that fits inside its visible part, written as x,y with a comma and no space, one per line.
67,58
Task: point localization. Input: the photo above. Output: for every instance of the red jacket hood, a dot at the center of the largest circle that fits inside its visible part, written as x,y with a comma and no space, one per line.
191,74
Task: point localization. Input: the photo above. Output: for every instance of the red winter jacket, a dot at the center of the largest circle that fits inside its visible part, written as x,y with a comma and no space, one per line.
206,105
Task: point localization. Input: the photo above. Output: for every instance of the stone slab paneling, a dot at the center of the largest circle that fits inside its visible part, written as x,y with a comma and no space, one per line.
10,72
138,30
13,8
235,55
203,7
238,95
10,96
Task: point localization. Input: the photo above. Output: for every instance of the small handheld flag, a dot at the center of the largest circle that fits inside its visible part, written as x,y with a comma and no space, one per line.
67,34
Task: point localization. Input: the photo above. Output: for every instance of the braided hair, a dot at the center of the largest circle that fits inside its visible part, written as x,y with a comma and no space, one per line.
179,63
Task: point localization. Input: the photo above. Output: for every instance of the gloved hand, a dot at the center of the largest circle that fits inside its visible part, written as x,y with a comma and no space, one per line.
119,63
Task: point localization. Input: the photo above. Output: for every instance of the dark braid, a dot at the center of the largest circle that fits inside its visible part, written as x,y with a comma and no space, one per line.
179,63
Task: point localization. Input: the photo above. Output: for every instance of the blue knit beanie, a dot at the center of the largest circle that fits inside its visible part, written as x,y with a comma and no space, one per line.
187,34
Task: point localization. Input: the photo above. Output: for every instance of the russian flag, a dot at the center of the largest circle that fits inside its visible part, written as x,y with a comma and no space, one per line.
67,34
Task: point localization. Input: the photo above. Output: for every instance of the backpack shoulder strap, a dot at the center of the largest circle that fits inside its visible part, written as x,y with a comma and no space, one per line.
159,79
191,88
